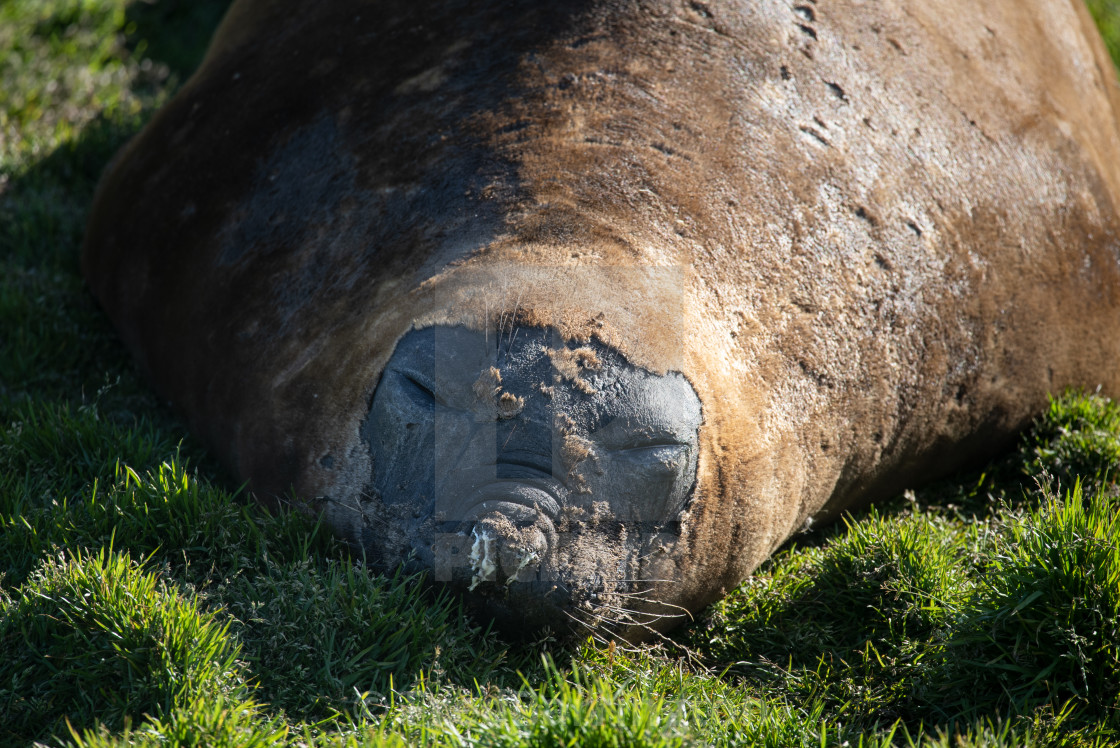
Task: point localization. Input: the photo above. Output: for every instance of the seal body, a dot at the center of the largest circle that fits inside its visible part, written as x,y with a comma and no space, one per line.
588,306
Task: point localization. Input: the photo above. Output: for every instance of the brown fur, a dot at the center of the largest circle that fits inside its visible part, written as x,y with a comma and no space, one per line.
872,235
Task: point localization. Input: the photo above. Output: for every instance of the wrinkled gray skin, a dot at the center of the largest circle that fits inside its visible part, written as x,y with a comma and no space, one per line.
486,445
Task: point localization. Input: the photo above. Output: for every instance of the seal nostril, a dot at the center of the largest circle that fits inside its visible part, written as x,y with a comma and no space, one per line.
505,552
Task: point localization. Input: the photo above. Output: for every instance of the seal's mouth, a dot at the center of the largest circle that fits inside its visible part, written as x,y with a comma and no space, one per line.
517,512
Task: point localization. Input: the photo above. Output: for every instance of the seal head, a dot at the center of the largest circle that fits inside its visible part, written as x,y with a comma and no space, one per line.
491,450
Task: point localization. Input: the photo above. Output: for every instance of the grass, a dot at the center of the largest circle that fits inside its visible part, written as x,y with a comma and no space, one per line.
97,634
1107,16
143,602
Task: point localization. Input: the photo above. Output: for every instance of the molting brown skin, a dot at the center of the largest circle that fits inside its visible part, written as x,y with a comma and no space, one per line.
872,236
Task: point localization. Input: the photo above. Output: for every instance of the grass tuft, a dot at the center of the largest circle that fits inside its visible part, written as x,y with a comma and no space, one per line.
93,639
327,640
166,515
1077,438
590,711
854,622
1043,627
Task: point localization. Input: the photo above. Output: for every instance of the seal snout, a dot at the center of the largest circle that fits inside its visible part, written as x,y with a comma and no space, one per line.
531,473
504,551
512,532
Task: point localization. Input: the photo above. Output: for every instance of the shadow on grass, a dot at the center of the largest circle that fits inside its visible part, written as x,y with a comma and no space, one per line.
58,348
917,616
173,32
43,205
69,392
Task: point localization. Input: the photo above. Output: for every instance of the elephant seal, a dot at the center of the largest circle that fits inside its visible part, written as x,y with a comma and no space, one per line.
586,307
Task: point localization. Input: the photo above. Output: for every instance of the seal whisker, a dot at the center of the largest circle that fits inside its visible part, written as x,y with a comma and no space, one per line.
683,610
592,630
650,614
486,325
637,594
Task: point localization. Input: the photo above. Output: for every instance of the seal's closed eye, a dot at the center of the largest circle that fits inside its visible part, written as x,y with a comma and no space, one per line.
627,433
420,387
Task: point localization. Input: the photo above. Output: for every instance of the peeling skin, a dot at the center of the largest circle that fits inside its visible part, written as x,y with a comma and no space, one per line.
509,405
491,401
489,384
576,452
571,365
